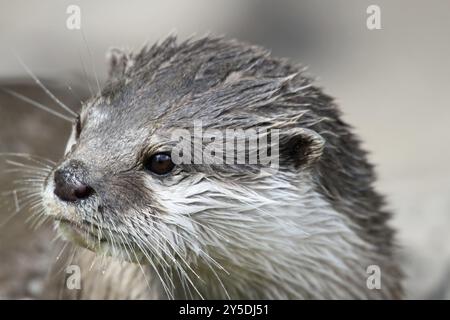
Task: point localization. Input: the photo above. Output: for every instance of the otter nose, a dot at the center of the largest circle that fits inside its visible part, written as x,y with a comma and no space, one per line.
68,186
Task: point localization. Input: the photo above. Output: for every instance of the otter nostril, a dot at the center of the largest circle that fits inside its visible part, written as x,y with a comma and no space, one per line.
69,189
83,191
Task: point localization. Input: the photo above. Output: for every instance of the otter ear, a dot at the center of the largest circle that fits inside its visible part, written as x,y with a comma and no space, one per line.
301,147
118,62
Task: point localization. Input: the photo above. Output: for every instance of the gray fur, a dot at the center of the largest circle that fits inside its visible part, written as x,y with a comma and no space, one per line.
225,84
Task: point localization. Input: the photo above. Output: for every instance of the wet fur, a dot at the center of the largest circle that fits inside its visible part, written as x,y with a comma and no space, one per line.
309,230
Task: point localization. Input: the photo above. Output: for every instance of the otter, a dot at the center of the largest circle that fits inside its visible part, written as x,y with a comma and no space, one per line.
309,229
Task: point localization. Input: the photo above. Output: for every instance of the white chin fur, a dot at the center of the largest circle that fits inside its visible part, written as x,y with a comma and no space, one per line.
277,239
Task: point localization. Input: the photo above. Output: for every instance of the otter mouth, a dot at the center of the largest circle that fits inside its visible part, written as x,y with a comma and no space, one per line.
99,238
83,228
82,233
89,236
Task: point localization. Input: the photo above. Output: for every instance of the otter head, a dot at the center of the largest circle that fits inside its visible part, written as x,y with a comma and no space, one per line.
222,226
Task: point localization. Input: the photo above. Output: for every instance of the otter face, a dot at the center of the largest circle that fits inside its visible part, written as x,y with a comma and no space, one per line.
120,191
98,193
117,187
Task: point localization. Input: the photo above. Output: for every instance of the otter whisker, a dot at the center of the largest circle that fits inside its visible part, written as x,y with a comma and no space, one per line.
39,219
145,253
44,88
63,247
92,264
56,255
187,231
174,249
215,232
28,171
29,182
16,201
139,264
33,158
127,245
63,266
19,201
163,237
124,240
30,204
28,191
92,60
34,206
184,284
18,164
189,241
155,269
218,279
158,253
83,67
36,104
13,214
174,260
30,178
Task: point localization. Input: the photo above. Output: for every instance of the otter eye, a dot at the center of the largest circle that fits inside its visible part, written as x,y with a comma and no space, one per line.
160,163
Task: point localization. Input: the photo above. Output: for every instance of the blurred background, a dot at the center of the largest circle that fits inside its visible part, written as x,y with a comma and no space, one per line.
392,84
